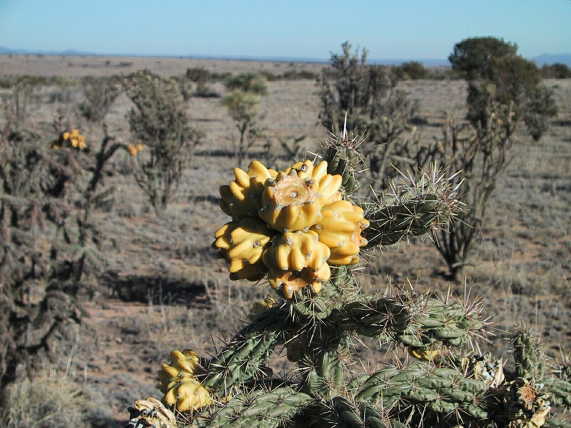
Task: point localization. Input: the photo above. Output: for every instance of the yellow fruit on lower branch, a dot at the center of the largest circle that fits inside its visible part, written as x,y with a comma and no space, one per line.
261,306
188,395
294,251
185,360
340,229
243,242
289,203
424,354
242,196
289,282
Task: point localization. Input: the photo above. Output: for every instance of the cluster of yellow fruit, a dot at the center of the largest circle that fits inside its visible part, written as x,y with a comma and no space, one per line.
134,149
179,383
290,225
71,139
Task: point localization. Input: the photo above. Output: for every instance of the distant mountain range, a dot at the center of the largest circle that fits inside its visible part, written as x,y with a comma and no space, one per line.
553,58
430,62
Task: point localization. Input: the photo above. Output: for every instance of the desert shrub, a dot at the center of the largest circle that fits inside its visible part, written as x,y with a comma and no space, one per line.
496,72
243,108
368,97
473,57
198,74
247,82
540,107
100,93
412,70
480,151
556,71
306,246
205,91
185,86
19,104
159,121
200,77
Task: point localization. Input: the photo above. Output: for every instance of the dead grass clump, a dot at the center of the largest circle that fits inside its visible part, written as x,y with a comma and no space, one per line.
49,401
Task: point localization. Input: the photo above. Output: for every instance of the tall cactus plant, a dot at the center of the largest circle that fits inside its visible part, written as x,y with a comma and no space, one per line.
301,230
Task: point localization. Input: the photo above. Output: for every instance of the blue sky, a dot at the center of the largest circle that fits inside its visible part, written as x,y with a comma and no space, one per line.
285,28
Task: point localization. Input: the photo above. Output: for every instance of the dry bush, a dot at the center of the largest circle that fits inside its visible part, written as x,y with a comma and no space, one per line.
367,96
479,154
100,93
44,402
243,108
159,121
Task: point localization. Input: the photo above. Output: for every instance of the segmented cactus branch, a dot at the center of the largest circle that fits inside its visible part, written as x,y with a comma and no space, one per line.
415,206
257,408
242,359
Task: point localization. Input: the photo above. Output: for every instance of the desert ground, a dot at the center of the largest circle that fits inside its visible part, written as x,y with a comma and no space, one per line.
164,287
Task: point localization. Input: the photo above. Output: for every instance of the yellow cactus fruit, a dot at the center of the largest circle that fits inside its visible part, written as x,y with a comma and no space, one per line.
242,196
243,242
289,203
288,282
186,395
326,186
261,306
340,229
72,139
132,149
297,260
296,251
152,413
187,360
250,272
424,354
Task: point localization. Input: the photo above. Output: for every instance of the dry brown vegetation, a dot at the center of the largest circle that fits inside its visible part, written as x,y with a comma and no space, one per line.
164,287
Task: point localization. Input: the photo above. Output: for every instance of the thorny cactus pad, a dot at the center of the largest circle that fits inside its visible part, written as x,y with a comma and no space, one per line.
300,229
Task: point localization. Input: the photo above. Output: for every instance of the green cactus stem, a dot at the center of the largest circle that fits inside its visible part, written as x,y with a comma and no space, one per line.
257,408
242,359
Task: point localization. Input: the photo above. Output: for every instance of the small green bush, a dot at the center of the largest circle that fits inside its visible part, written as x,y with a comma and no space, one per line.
539,109
247,82
243,108
556,71
100,93
412,70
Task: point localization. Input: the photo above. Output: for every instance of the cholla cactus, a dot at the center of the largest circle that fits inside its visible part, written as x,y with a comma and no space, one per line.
300,229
